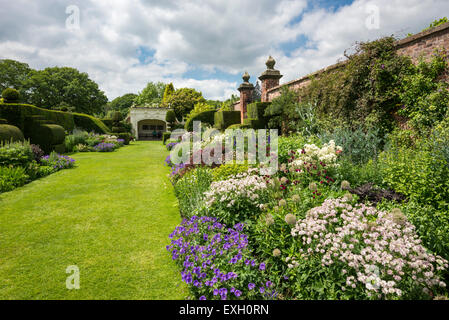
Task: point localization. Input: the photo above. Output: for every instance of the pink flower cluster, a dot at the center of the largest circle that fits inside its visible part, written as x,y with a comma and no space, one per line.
375,251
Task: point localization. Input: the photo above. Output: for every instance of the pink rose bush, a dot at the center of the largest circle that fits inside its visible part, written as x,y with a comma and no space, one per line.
366,254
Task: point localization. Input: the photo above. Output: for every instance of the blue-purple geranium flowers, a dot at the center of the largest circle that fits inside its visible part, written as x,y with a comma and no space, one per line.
216,261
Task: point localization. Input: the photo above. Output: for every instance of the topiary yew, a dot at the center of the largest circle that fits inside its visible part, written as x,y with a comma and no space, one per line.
10,95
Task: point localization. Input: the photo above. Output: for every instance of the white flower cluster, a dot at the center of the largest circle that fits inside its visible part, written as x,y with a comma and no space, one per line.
246,186
381,253
312,154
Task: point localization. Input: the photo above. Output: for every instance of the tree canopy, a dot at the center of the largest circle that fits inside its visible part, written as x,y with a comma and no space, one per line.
13,74
152,94
54,87
122,103
183,101
169,89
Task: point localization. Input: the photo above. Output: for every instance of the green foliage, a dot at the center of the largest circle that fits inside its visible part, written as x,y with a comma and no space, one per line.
168,91
51,87
239,126
47,136
170,117
229,103
151,95
357,175
13,75
362,92
10,95
432,225
307,121
287,144
122,104
420,173
11,178
89,123
256,115
17,154
10,133
190,188
226,171
165,136
281,112
125,136
425,98
437,23
199,108
206,117
223,119
183,100
77,137
358,145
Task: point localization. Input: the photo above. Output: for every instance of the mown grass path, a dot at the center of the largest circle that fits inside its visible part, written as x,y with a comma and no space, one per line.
110,216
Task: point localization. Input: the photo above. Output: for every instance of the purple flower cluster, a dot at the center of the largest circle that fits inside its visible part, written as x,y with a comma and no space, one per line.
171,145
105,147
216,261
58,161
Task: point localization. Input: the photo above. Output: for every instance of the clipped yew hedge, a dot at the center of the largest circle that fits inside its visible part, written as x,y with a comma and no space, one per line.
204,117
9,133
224,119
16,114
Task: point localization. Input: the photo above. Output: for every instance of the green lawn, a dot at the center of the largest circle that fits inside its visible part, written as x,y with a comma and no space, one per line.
110,216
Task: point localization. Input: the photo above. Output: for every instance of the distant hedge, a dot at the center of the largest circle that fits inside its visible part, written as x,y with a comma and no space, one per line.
89,123
16,114
239,126
204,117
223,119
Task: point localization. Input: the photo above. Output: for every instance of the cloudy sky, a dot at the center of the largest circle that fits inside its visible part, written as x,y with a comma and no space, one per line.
203,44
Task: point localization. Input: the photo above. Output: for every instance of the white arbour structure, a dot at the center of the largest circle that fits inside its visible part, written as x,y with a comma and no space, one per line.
146,121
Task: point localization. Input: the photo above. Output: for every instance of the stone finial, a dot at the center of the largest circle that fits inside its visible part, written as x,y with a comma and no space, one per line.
246,76
270,63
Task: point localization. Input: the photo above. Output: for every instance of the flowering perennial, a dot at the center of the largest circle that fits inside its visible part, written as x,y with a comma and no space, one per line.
105,147
216,261
312,155
58,161
242,195
378,253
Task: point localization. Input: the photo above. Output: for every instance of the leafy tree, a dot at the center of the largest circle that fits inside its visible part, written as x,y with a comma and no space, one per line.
122,103
200,107
183,101
227,105
283,110
151,95
54,87
169,89
257,92
13,75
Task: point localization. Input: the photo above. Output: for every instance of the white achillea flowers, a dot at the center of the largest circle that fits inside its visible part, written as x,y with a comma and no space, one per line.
244,186
312,154
379,255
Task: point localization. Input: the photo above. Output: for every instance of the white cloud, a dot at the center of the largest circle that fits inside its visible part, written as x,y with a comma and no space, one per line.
214,35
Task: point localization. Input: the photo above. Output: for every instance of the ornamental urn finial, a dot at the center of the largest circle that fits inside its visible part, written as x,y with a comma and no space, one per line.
246,76
270,63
